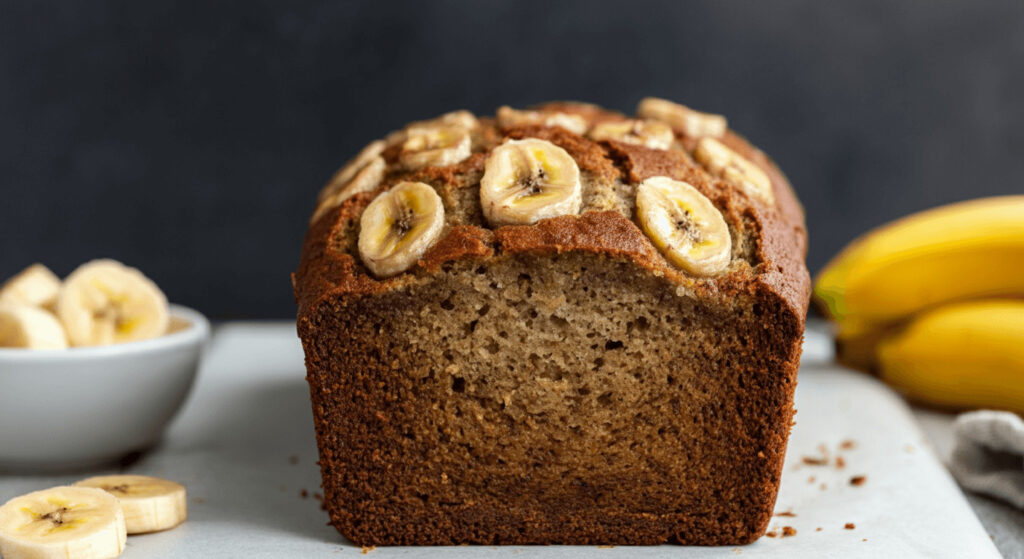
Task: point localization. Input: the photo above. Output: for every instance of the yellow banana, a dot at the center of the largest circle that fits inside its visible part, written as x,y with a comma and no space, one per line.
968,250
962,355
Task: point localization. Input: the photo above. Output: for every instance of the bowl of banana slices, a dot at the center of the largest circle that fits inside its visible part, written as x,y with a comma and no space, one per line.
92,368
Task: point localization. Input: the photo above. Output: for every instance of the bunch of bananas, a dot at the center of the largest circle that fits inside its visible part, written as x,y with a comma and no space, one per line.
934,304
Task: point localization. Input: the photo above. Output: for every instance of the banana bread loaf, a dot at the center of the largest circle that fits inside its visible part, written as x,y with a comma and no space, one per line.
557,325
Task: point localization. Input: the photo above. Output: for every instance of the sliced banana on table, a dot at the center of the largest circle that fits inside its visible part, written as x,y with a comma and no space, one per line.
687,228
150,504
398,227
434,146
648,133
682,118
24,326
735,169
528,180
509,117
104,302
62,523
365,180
36,286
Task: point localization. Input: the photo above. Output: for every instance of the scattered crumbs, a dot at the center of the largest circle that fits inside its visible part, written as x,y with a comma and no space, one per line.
304,494
840,463
785,513
815,461
293,459
323,502
788,531
772,534
368,549
823,487
811,479
909,449
198,500
850,526
818,529
847,444
858,480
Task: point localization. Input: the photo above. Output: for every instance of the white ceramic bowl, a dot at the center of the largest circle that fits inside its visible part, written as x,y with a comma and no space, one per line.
82,407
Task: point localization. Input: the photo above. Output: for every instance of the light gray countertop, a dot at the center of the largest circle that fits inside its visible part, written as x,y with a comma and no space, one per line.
244,447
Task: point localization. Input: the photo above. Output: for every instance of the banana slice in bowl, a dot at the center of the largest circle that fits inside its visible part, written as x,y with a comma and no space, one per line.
104,302
62,523
28,327
35,286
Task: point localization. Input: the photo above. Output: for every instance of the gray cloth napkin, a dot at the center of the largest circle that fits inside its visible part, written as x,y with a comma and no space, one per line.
988,456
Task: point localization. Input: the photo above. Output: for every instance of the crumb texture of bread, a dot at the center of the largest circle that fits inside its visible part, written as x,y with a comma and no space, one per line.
560,382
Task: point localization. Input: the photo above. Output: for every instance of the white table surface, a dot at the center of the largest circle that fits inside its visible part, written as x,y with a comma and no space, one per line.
244,447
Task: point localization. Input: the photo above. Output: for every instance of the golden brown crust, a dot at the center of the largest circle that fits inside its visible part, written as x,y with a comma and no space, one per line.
768,269
779,235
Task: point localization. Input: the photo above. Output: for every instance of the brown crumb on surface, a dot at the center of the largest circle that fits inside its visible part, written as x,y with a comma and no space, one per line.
788,531
858,480
605,546
850,526
864,540
818,529
293,459
811,479
815,461
323,502
368,549
823,487
304,494
840,463
847,444
785,513
772,534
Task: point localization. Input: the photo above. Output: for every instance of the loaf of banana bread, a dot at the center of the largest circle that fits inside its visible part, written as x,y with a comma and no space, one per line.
556,325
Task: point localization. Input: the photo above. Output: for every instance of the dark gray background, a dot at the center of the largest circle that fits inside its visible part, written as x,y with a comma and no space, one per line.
189,138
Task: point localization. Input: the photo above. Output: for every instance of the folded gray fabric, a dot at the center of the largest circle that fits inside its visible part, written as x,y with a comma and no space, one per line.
988,456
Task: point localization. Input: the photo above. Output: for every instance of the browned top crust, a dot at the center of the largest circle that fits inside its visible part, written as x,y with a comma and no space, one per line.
770,242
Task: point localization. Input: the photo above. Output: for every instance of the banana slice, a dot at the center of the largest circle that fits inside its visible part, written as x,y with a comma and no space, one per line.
348,172
434,146
684,225
509,117
62,523
36,286
734,169
104,302
365,180
150,504
30,327
398,227
648,133
528,180
682,118
456,119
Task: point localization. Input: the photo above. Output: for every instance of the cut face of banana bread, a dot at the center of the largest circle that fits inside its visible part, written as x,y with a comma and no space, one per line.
559,325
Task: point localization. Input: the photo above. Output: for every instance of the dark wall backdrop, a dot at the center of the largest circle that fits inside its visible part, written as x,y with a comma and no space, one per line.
190,138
